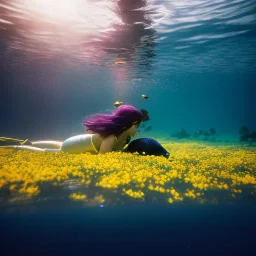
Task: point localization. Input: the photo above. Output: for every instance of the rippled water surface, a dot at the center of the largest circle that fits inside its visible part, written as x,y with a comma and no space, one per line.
147,36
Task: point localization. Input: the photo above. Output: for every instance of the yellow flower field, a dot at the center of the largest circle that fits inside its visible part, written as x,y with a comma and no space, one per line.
195,172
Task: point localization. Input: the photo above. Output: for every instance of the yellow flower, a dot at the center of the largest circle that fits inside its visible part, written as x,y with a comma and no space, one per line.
170,200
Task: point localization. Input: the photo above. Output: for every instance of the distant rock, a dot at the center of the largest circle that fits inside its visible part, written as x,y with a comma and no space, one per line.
182,134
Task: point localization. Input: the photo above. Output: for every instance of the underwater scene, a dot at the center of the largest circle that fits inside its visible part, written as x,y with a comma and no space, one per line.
128,127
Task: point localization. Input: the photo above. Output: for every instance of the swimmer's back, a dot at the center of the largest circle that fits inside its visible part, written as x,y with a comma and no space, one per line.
80,144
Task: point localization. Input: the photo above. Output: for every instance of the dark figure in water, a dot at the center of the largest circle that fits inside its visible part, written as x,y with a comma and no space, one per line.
212,131
205,133
247,135
147,129
183,134
147,146
145,115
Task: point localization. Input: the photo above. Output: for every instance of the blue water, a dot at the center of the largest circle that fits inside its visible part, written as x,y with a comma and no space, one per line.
64,60
138,230
195,60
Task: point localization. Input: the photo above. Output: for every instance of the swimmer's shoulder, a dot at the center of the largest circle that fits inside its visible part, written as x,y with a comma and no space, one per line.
98,139
90,132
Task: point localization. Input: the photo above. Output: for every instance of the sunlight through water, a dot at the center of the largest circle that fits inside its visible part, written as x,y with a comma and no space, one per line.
61,26
135,38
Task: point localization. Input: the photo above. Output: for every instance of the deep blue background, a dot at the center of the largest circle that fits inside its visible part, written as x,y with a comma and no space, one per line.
137,230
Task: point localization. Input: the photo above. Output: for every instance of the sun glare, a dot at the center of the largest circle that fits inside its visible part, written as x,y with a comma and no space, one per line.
91,13
82,13
60,26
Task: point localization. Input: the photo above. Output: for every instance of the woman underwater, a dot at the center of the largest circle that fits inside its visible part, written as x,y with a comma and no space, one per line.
106,133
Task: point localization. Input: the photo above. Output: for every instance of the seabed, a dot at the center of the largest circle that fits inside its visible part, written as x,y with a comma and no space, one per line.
195,173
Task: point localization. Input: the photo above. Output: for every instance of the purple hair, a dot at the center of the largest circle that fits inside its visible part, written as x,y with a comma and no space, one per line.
107,124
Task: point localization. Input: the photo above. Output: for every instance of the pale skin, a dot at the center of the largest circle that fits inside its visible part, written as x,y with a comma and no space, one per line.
104,145
110,143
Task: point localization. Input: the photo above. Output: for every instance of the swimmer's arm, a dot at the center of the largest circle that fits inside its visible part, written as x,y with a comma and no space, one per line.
107,144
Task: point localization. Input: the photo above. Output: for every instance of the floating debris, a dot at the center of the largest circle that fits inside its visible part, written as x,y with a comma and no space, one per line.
118,103
120,62
144,96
